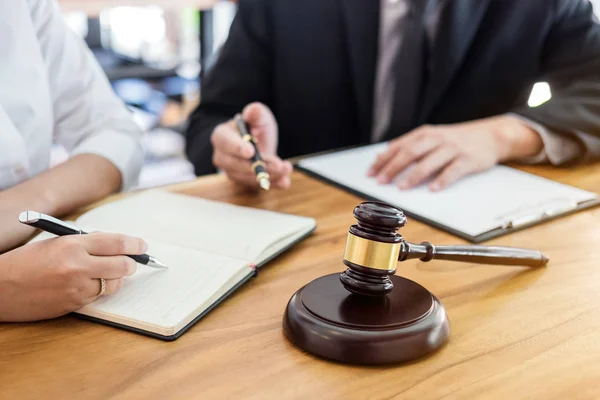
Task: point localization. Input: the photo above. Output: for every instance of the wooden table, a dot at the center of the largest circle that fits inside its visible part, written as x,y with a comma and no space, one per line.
515,333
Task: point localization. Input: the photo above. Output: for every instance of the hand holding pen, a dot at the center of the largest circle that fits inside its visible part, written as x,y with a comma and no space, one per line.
50,278
234,156
60,228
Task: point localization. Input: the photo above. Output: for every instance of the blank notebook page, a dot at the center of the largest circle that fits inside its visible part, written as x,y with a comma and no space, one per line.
195,223
474,205
165,300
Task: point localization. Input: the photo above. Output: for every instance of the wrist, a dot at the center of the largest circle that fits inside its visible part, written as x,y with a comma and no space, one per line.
29,196
515,139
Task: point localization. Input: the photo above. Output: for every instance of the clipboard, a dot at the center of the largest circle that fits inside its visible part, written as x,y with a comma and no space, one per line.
529,199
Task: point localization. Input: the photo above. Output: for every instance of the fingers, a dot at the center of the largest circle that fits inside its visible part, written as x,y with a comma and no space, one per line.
111,267
240,166
279,176
406,141
277,168
231,164
453,172
258,116
283,183
93,286
403,158
112,286
227,140
396,159
239,170
427,167
112,244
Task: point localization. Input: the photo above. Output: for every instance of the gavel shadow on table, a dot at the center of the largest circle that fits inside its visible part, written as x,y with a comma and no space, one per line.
368,315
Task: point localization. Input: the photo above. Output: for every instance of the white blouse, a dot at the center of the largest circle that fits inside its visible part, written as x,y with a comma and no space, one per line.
51,88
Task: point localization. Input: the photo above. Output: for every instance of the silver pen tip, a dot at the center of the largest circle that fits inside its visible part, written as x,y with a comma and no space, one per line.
155,262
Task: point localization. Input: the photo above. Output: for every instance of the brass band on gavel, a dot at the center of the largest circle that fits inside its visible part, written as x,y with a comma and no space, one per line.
372,254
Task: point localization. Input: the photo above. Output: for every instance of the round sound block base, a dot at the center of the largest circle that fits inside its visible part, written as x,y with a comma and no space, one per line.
326,320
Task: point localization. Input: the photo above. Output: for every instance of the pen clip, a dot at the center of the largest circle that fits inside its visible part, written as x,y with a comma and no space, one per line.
35,219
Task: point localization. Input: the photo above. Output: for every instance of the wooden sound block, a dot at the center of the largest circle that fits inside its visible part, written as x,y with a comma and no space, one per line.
325,319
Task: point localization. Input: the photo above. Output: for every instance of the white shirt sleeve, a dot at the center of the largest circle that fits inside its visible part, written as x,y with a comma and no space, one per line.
88,116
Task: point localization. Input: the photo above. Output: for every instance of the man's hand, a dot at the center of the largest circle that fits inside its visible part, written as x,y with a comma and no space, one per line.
446,153
53,277
231,154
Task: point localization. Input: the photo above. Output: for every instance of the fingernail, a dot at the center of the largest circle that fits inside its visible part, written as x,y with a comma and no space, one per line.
403,185
371,172
382,179
435,187
144,246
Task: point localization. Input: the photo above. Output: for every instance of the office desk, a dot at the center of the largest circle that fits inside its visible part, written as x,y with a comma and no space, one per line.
515,333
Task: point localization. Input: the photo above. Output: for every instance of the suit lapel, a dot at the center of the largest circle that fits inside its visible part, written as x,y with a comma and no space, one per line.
361,23
454,32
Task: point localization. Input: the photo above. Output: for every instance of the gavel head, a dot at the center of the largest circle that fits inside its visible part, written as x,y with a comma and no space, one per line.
372,249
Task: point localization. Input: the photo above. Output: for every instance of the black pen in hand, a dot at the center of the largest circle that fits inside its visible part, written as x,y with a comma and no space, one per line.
258,165
61,228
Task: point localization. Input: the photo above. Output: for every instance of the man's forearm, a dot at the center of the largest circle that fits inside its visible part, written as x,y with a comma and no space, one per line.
76,183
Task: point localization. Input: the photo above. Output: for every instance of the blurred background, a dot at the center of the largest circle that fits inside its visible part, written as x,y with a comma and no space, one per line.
155,53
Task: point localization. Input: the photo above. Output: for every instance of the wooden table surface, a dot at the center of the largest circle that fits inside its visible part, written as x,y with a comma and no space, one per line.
515,333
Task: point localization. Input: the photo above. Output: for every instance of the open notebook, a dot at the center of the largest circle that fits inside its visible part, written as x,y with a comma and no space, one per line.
211,249
476,208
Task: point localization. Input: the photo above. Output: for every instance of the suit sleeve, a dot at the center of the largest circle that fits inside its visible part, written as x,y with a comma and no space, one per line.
571,65
239,76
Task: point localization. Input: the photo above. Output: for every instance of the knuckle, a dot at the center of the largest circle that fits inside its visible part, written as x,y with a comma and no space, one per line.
128,266
120,244
68,245
219,160
214,137
410,152
69,271
75,295
123,265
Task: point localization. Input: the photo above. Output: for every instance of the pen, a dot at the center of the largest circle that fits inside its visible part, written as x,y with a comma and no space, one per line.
61,228
258,165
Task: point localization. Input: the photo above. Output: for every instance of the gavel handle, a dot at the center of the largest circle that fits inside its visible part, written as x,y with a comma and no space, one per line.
473,254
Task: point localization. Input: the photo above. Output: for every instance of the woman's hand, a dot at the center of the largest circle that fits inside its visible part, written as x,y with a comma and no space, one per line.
53,277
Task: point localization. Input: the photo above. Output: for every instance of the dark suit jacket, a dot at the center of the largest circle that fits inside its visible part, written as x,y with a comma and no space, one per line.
313,63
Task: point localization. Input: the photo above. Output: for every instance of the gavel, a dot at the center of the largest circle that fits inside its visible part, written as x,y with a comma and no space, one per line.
374,248
369,315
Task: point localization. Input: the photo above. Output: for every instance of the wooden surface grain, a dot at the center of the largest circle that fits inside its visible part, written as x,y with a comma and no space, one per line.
515,333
